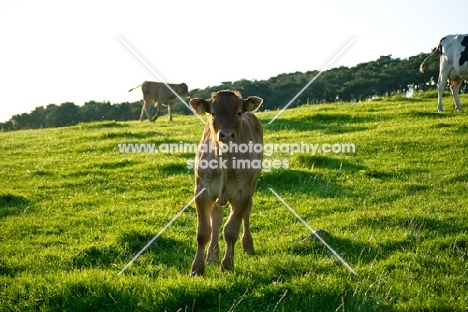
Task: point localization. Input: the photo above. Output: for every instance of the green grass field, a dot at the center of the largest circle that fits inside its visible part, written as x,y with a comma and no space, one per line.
74,210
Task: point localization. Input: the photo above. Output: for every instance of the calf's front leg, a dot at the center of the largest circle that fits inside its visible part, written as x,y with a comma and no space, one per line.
203,205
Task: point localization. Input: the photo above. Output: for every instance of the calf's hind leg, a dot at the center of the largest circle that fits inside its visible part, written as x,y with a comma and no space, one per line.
247,239
216,220
240,211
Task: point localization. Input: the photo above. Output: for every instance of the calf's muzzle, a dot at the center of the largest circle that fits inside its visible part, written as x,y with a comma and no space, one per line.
226,135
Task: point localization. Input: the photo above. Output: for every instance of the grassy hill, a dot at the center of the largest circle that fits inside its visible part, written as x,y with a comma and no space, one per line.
74,210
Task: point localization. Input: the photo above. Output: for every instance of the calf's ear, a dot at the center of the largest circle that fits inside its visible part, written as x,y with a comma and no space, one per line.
252,103
201,106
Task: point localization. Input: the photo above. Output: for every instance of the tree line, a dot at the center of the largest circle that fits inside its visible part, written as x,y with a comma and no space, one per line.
69,114
382,77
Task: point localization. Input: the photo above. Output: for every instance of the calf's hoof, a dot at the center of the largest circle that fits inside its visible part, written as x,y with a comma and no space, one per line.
197,270
212,257
227,265
248,247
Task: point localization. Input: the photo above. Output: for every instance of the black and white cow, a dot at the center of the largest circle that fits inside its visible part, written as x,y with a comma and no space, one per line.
453,51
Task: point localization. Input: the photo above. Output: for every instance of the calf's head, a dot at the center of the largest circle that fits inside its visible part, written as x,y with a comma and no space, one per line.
226,109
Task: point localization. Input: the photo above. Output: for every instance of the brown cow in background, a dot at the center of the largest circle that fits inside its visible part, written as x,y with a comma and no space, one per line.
161,95
227,175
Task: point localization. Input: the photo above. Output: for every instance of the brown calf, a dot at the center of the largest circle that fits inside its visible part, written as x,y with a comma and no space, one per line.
226,173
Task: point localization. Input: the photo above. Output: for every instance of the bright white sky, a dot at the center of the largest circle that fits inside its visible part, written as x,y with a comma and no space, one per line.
59,51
